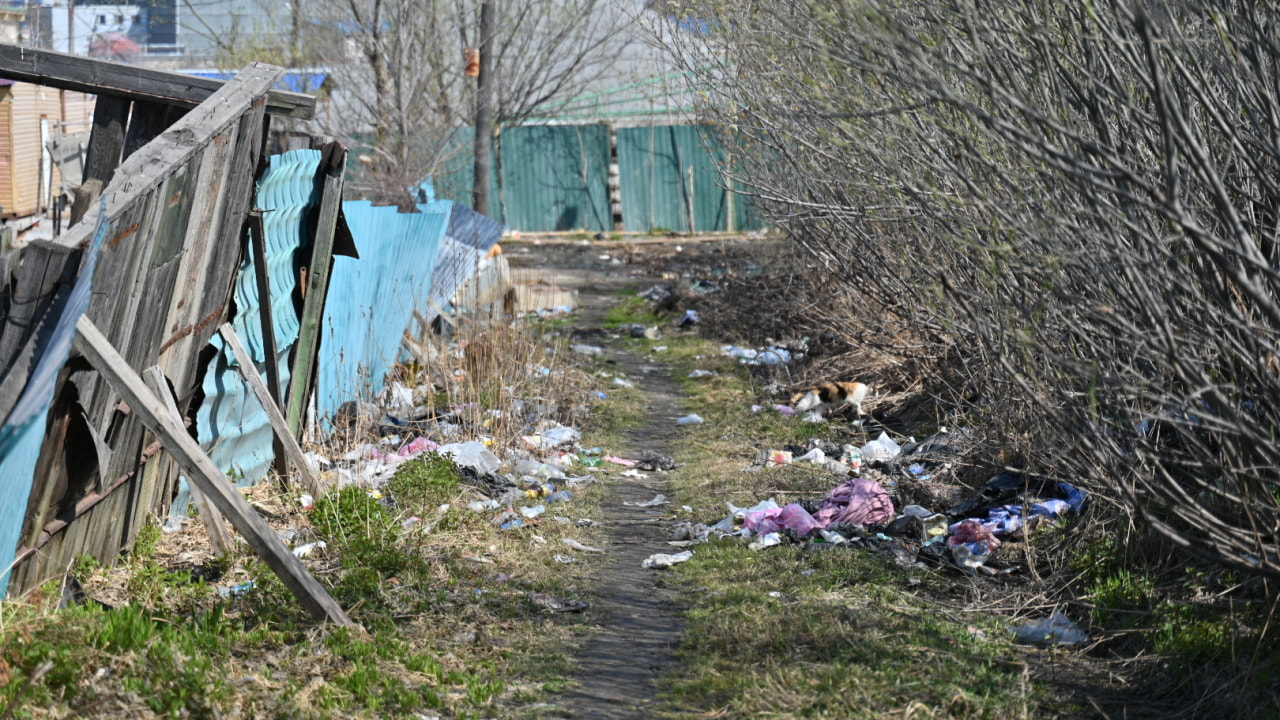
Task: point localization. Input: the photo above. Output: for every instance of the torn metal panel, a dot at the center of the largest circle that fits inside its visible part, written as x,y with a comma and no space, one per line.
233,427
468,240
371,300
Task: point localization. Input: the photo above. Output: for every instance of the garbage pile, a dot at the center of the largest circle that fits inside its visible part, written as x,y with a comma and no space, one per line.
860,511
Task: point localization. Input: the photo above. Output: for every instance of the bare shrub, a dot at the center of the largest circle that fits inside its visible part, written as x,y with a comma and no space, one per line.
1066,211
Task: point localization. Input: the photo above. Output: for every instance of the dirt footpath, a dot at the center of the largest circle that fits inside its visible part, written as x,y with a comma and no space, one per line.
640,618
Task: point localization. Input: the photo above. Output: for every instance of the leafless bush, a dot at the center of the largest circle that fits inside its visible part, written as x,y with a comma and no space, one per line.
1066,210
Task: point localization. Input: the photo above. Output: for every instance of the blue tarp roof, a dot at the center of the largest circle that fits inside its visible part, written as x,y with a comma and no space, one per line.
300,81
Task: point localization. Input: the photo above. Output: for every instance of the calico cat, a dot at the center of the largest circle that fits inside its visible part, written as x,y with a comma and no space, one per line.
830,396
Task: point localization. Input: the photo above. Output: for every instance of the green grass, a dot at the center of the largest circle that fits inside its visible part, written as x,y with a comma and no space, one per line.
631,310
441,634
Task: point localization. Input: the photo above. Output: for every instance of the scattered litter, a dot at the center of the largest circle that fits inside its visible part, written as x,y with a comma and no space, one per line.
623,383
785,410
775,594
533,512
579,546
656,501
765,541
588,350
660,348
856,502
553,437
654,461
1057,629
586,522
662,560
560,496
565,559
482,505
305,550
240,589
690,318
478,559
619,461
307,502
702,373
472,454
881,449
690,420
538,539
636,474
560,605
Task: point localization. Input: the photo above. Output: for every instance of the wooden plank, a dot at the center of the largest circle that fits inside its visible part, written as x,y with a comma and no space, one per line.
106,142
219,538
103,78
317,288
144,170
250,374
205,475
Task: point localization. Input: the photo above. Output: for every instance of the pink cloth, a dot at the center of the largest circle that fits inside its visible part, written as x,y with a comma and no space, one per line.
620,461
857,502
971,531
417,447
791,517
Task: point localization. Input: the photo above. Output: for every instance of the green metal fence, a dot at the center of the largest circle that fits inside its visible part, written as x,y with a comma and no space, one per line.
555,177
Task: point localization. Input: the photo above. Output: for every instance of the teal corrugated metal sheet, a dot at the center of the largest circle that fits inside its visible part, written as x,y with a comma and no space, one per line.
670,174
555,177
371,300
232,425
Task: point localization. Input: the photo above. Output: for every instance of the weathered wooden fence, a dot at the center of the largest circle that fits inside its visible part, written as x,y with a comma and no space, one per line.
176,208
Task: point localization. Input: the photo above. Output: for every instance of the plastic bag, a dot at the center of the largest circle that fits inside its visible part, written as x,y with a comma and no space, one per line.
1056,629
881,449
474,455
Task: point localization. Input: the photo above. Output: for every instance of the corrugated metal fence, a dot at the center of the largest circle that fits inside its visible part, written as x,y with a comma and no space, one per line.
556,178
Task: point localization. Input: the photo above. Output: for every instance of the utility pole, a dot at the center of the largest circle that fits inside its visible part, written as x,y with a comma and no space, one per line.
484,110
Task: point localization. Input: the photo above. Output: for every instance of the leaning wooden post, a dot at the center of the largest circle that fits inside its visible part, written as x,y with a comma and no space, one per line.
258,248
219,538
317,285
278,424
125,380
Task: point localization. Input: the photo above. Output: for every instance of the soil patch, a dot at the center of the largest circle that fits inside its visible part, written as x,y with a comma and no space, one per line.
640,616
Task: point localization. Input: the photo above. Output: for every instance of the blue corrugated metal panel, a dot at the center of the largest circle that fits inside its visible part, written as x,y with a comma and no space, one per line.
371,300
555,177
469,238
233,427
23,431
670,174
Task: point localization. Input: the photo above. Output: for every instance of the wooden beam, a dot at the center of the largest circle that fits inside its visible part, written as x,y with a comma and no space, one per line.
103,78
318,271
219,538
106,142
258,246
106,360
250,373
